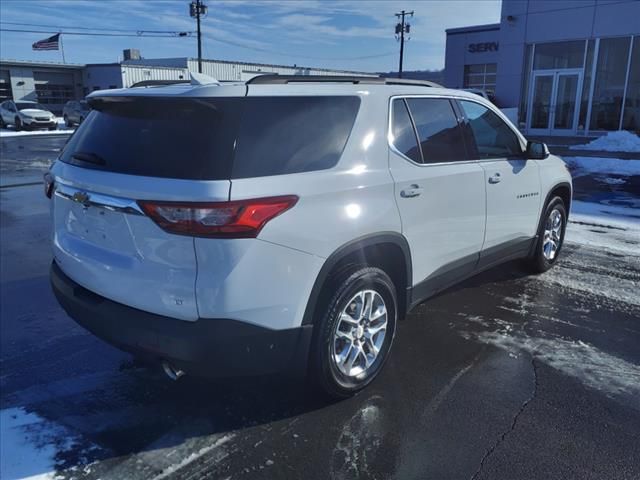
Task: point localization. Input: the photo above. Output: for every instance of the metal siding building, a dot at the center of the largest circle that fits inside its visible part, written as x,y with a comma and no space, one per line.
239,71
122,75
54,84
568,67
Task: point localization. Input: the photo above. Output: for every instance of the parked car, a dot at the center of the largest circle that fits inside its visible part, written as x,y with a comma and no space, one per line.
27,115
287,224
74,112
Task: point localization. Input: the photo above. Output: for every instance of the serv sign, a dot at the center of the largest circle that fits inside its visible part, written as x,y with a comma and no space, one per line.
483,47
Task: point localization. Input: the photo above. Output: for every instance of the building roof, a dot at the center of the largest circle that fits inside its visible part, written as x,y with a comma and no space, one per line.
175,62
28,63
171,62
474,28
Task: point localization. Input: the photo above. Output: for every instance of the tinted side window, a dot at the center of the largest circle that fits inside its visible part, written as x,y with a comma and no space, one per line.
404,136
280,135
441,138
493,137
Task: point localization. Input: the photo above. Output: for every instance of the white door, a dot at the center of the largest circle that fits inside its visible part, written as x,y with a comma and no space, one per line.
439,192
512,182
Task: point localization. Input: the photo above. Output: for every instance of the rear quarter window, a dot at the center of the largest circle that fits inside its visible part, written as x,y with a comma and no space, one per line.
281,135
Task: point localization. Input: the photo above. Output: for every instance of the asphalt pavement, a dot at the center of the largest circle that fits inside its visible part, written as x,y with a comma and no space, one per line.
504,376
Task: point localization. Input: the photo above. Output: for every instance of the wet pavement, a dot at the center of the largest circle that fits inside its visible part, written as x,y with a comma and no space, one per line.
504,376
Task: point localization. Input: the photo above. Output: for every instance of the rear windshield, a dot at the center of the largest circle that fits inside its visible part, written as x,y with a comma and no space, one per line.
212,138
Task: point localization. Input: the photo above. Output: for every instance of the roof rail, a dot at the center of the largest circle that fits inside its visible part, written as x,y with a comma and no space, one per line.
275,79
158,83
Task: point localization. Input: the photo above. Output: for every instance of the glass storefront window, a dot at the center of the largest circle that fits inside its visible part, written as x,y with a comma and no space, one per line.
586,87
522,111
631,114
553,56
611,72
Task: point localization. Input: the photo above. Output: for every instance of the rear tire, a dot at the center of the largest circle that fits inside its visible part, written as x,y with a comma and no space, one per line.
354,334
67,122
550,237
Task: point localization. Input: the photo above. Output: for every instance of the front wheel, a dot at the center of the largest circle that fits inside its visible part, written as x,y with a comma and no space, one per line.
68,123
17,124
353,338
550,236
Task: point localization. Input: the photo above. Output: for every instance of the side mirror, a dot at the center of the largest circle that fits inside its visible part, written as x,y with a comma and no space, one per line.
537,150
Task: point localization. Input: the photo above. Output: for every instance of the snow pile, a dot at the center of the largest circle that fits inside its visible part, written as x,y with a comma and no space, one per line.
621,141
27,446
61,130
581,166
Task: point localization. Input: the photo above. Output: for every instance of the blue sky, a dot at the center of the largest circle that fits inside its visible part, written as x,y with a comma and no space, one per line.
331,34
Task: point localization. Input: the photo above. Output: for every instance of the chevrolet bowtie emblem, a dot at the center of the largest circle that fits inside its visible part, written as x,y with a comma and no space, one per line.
82,198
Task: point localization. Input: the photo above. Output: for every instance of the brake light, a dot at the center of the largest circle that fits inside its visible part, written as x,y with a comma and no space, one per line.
236,219
48,184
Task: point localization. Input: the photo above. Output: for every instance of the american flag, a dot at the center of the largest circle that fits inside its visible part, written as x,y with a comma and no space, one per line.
50,43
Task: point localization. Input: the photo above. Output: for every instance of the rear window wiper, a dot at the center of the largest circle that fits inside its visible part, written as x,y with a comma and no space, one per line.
89,157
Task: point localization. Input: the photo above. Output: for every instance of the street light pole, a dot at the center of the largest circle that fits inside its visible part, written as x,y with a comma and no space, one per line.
197,9
401,29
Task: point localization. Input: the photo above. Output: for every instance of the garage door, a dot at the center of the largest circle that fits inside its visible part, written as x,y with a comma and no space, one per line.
54,88
5,86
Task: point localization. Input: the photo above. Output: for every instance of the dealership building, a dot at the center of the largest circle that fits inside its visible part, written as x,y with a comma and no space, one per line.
53,84
562,67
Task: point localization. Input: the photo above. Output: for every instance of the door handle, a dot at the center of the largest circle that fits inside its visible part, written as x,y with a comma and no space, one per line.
495,178
413,191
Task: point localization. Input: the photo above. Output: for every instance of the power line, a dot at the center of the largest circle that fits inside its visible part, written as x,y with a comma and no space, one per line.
106,32
91,28
137,34
312,57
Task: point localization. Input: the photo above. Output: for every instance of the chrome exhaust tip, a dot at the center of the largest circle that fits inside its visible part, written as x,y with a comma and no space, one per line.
172,372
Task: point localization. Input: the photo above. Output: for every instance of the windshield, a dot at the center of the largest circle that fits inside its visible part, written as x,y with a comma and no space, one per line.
27,105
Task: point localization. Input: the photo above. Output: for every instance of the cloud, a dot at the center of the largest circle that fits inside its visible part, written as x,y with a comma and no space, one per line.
266,31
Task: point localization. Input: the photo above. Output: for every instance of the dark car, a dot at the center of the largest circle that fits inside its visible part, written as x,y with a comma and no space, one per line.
74,112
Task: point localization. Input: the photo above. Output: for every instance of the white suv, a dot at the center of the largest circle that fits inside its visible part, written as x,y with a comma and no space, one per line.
288,223
26,115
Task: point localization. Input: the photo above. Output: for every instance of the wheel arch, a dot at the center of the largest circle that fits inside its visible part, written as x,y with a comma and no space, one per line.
387,250
562,190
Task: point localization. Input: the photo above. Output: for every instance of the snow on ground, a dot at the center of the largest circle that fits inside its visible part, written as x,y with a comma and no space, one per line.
27,445
604,226
621,141
62,130
581,166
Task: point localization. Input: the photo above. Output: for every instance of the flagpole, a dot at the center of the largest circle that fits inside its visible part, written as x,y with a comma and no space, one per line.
62,48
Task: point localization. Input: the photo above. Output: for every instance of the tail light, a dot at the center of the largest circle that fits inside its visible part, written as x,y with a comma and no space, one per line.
236,219
48,184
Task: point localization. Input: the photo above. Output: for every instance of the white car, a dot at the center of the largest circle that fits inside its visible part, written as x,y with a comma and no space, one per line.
26,115
288,224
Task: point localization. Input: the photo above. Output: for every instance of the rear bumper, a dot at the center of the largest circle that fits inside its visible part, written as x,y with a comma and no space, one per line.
206,347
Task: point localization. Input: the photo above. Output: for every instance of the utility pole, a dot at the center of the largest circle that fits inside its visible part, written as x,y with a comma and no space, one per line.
401,29
196,10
